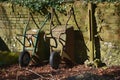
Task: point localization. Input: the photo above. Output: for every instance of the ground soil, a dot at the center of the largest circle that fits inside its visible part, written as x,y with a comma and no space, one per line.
45,72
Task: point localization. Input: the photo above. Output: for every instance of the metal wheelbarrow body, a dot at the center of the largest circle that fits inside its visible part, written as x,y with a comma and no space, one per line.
35,47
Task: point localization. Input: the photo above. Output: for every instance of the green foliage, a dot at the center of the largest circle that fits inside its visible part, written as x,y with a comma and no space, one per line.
8,58
102,0
40,5
3,0
43,5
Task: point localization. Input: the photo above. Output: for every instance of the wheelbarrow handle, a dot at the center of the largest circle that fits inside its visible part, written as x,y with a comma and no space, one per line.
29,39
61,40
54,38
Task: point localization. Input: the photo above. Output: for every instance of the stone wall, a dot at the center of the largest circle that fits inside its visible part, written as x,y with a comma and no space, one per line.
14,18
108,27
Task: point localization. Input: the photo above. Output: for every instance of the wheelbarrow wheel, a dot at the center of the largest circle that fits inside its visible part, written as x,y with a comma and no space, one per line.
24,59
54,60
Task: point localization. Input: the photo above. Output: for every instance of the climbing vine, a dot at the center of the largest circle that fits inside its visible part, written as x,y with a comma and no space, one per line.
41,6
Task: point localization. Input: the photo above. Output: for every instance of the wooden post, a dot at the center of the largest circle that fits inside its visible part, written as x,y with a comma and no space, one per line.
91,31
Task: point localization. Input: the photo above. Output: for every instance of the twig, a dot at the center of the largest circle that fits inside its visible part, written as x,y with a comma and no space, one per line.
41,77
38,74
34,72
17,76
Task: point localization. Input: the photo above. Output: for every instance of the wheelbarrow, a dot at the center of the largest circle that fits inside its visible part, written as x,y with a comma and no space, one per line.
61,44
63,49
35,47
31,44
